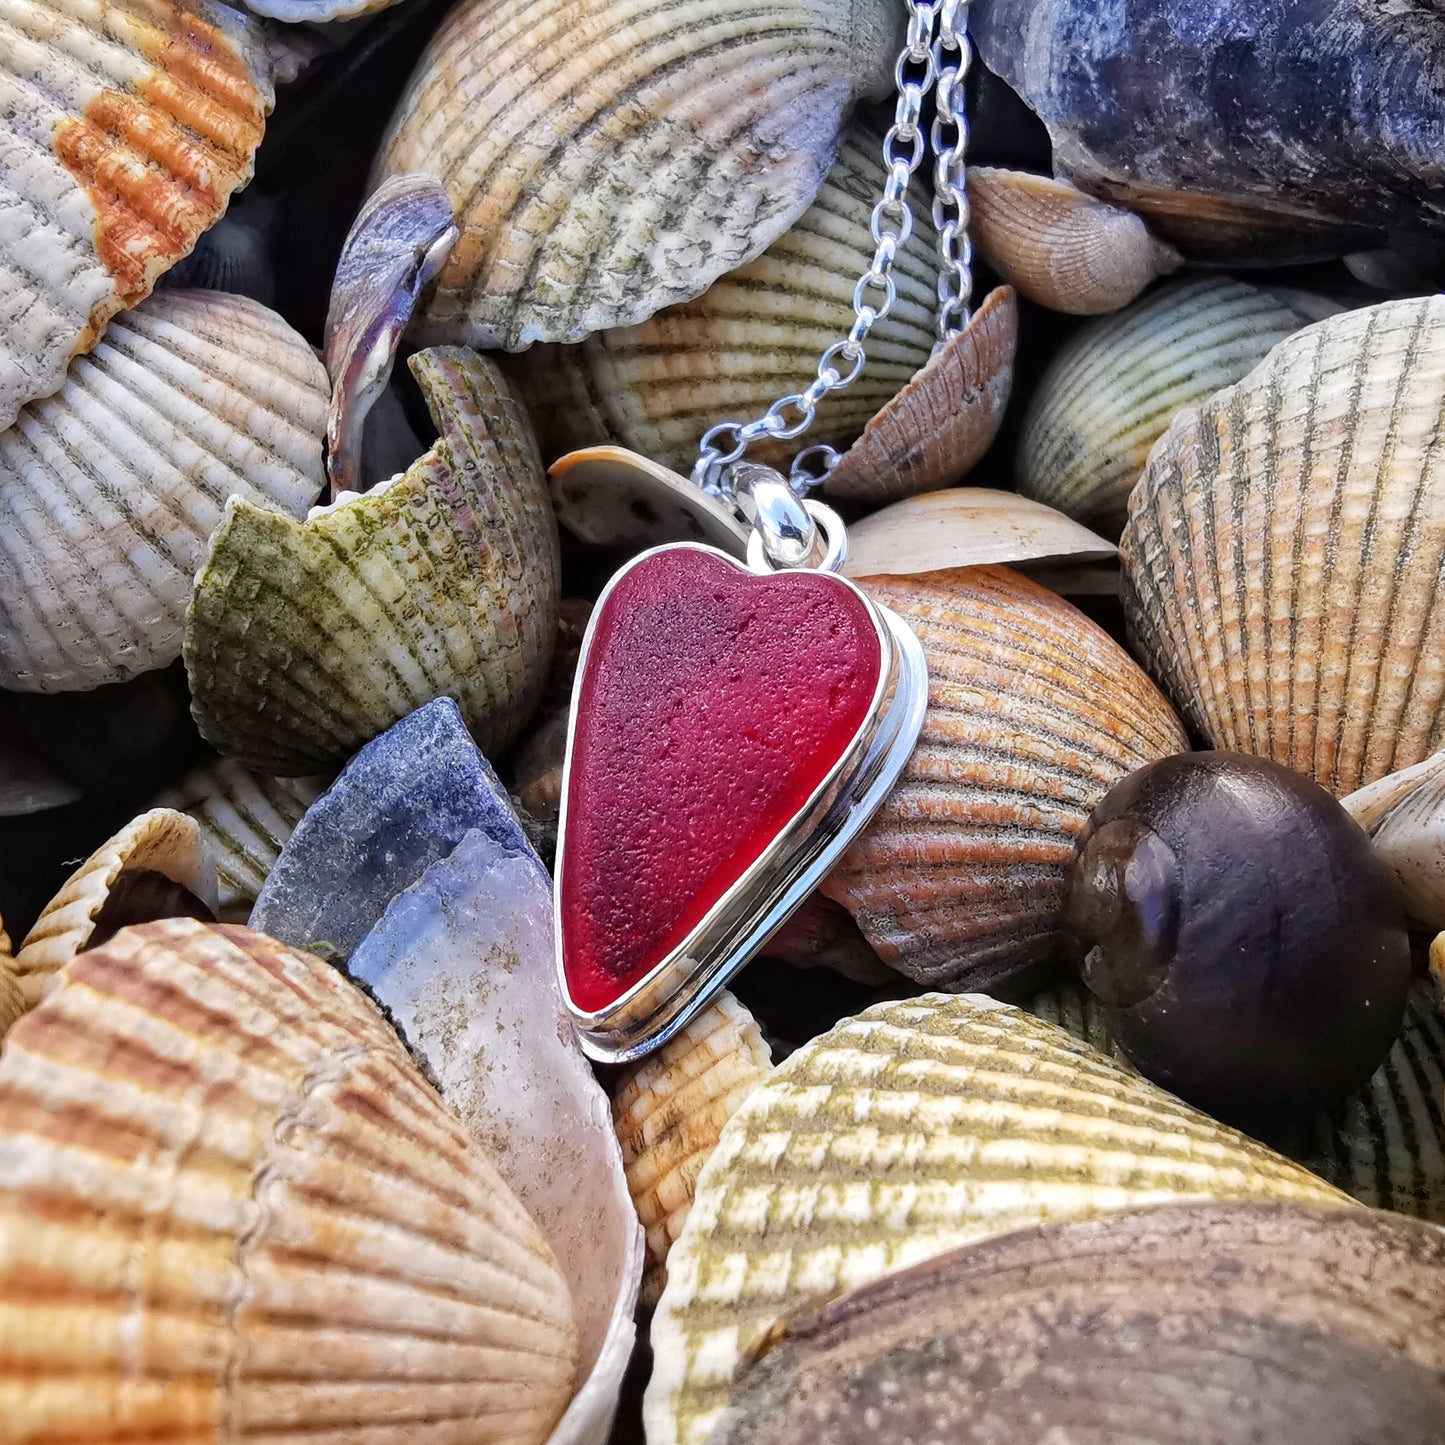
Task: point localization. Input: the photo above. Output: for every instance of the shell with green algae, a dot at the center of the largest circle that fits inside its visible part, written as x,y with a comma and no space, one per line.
914,1128
304,640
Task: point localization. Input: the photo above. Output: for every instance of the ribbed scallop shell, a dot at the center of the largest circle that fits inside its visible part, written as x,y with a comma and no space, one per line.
234,1209
1113,389
12,1000
127,125
608,158
907,1131
245,820
1404,814
306,640
754,336
161,840
110,490
1285,545
669,1111
1034,713
1060,247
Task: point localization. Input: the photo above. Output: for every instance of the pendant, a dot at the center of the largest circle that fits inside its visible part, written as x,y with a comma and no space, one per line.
733,728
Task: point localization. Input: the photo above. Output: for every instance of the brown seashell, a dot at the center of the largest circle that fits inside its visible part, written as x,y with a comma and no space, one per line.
158,842
12,1000
1284,549
939,426
670,1109
233,1208
1034,713
1066,250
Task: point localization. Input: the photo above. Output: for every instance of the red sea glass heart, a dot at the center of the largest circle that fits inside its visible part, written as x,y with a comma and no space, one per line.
712,705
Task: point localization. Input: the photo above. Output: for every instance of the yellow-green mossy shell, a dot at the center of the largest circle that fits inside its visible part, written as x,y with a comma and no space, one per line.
305,640
1285,545
914,1128
1034,713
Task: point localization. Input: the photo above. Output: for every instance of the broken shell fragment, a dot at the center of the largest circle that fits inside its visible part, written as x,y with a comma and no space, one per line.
912,1129
395,248
1060,247
1034,713
304,640
1404,814
1197,1324
296,1237
669,1111
127,128
110,490
1284,548
161,842
608,158
939,426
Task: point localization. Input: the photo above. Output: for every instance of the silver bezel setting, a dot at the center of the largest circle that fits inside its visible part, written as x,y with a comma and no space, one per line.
773,887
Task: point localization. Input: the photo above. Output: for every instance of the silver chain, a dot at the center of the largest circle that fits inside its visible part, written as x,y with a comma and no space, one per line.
935,54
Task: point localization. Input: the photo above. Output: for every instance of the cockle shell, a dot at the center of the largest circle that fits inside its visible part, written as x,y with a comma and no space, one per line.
1060,247
12,1000
1115,386
306,639
669,1111
245,820
1034,713
753,337
914,1128
1404,814
127,127
1194,1324
162,841
234,1208
110,489
939,426
608,158
1284,548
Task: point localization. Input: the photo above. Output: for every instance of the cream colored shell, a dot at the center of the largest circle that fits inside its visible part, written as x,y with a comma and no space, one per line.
907,1131
12,1000
127,125
1404,814
110,490
669,1111
607,158
1284,550
232,1208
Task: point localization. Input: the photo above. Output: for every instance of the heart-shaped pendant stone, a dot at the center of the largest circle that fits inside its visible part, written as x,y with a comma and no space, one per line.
715,708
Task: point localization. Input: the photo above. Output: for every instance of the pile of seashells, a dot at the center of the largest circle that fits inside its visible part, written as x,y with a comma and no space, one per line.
1095,1096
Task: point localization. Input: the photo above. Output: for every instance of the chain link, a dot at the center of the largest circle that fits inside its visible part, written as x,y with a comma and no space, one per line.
936,48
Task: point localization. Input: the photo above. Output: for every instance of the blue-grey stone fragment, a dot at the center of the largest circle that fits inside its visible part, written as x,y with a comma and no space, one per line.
402,803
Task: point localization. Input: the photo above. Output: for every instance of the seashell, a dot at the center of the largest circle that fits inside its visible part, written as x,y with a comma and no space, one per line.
1060,247
29,783
1404,814
1034,713
1282,135
912,1129
109,490
939,426
608,158
245,820
296,1238
669,1111
235,255
158,842
1199,1324
1112,390
12,1000
316,12
128,126
754,336
305,640
1437,969
395,248
1284,545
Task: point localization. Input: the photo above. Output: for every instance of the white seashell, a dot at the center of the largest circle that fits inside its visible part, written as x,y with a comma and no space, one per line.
1404,814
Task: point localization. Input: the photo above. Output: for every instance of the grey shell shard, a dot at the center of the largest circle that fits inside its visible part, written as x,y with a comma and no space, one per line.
1272,131
403,803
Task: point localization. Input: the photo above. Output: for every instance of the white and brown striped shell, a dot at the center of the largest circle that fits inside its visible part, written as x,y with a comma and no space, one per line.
607,158
1034,713
109,490
232,1208
127,126
914,1128
1285,545
669,1111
